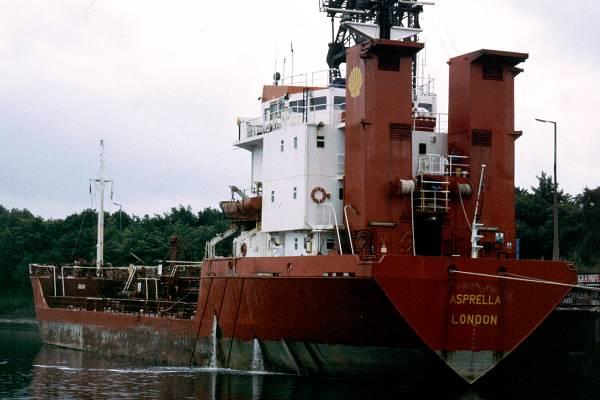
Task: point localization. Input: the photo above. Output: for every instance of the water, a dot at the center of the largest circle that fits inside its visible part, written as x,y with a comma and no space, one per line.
30,370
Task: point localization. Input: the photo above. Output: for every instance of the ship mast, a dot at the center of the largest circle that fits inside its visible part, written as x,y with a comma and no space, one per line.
100,184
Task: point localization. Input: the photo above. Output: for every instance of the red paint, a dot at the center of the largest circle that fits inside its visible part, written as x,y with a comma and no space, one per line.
376,158
476,103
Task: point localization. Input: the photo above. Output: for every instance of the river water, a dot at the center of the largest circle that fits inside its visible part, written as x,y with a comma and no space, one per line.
31,370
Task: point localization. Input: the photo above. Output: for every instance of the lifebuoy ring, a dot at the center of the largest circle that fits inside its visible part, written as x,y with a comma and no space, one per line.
318,195
243,249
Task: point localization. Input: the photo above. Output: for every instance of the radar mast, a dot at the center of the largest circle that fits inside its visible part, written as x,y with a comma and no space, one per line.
363,20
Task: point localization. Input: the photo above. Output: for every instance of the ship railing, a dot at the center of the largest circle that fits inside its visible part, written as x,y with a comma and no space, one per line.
424,86
433,197
432,164
184,268
433,201
320,78
438,165
291,116
45,270
425,121
159,308
458,165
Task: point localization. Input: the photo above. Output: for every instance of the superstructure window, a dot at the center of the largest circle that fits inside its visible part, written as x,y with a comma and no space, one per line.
295,193
339,102
422,148
320,141
297,106
329,243
295,142
318,103
282,145
341,193
295,243
272,196
272,110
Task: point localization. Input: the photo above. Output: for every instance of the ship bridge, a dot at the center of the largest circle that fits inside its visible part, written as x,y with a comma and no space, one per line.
294,101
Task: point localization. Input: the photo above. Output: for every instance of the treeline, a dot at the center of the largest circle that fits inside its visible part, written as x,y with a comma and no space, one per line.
25,239
578,221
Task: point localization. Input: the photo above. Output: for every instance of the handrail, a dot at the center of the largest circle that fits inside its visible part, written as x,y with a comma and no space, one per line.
437,164
328,113
320,78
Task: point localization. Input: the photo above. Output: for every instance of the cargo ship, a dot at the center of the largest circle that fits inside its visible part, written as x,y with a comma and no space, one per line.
376,237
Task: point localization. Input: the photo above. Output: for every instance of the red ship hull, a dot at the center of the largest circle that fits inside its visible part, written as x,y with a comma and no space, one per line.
332,316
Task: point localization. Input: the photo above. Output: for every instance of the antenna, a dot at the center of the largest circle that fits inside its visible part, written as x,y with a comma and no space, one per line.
100,184
283,73
292,50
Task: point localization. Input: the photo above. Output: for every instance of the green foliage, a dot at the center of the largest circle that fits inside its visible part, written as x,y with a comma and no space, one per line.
578,221
25,239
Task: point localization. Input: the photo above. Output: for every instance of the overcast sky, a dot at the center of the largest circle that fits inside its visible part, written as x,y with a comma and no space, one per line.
162,82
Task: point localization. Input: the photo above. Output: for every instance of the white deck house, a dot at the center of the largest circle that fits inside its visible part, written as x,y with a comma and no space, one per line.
297,153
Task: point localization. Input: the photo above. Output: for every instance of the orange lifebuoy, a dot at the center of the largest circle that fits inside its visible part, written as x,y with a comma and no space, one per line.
318,195
243,249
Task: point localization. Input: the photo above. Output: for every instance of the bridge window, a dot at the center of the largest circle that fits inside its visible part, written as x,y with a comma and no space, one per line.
422,148
339,102
272,110
295,142
295,194
282,145
272,196
318,103
297,106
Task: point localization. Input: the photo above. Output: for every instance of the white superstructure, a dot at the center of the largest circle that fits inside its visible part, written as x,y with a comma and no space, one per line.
297,166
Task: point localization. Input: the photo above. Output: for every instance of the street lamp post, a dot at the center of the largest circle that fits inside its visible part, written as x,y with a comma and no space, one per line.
555,248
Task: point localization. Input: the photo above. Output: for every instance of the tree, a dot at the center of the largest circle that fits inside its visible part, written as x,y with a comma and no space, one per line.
588,247
535,223
25,238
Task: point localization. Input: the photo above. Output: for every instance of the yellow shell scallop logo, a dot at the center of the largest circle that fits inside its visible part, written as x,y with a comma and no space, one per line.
355,82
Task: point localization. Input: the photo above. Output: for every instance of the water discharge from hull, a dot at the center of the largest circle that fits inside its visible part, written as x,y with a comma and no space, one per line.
258,363
213,348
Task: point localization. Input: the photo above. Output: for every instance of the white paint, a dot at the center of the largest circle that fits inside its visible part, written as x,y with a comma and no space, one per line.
288,163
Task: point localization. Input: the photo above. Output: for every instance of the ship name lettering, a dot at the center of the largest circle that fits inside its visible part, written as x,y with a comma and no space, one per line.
475,299
474,319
